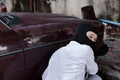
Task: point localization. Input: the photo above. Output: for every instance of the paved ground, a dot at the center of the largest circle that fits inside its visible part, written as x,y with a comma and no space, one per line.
109,64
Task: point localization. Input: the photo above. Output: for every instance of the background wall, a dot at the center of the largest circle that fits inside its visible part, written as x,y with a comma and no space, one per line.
107,9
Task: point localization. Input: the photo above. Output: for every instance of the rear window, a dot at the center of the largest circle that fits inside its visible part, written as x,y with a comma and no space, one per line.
9,19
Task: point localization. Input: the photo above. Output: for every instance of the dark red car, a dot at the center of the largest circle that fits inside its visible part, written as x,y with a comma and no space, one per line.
27,40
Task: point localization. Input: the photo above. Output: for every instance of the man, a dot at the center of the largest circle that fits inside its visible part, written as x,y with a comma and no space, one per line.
72,61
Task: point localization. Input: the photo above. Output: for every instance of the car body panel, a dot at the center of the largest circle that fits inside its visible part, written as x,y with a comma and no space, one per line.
31,38
11,52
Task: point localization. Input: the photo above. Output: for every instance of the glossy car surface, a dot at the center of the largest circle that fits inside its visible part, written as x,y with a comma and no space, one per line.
27,41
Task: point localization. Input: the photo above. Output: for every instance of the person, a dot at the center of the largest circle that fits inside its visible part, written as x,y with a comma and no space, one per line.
73,61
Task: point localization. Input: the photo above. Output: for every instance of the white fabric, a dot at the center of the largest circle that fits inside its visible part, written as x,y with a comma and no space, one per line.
94,77
70,63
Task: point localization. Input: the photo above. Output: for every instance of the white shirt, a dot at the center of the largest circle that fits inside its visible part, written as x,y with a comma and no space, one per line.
70,63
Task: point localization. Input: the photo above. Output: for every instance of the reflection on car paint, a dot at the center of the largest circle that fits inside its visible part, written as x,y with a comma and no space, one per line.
3,48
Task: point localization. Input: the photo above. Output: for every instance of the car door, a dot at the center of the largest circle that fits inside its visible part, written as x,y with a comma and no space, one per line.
12,62
40,45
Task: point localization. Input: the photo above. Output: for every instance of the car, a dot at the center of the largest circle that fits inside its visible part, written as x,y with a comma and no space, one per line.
27,40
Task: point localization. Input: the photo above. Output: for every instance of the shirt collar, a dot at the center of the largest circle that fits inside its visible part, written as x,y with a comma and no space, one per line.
75,43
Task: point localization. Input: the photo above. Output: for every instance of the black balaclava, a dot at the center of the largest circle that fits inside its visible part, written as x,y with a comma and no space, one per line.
81,37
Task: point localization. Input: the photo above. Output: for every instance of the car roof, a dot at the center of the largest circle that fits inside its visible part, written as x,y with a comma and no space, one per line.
18,20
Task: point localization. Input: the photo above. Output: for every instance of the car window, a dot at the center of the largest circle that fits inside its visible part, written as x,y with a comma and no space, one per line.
9,19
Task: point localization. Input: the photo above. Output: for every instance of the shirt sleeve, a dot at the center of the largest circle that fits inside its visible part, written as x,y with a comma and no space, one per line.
92,67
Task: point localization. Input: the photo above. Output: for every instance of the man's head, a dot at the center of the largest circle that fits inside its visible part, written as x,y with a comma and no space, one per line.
86,34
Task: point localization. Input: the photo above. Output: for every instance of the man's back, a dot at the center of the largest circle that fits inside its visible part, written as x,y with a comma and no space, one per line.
69,62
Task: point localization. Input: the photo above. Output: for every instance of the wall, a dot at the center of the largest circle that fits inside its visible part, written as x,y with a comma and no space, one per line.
107,9
24,5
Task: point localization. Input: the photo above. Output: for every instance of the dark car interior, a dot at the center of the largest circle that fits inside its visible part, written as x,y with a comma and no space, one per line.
9,19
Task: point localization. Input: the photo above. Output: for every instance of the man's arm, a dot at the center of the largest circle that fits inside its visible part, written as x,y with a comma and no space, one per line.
92,67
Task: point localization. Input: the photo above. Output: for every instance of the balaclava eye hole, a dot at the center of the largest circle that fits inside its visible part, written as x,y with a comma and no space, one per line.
81,37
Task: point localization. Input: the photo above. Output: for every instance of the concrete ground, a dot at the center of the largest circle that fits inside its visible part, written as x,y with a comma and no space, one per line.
109,64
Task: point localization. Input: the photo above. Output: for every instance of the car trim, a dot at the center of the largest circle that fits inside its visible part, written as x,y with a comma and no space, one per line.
5,25
12,52
25,49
